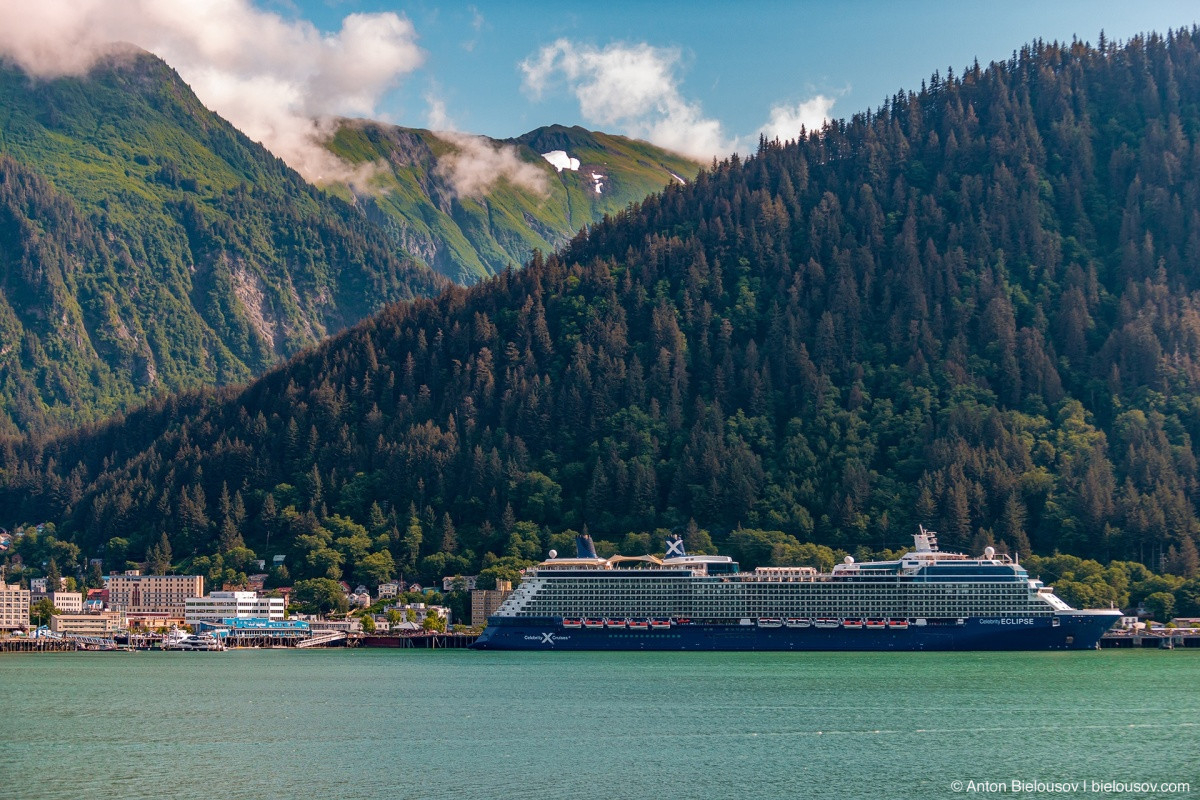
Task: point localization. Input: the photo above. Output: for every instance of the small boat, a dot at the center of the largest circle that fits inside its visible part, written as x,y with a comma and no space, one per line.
572,623
852,624
898,624
798,622
593,624
875,624
660,624
770,622
201,642
614,623
826,622
639,625
683,621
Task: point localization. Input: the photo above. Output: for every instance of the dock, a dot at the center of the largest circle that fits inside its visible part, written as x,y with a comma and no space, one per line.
68,643
37,645
429,640
1166,639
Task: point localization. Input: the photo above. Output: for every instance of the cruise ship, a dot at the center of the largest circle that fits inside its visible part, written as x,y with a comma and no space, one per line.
925,600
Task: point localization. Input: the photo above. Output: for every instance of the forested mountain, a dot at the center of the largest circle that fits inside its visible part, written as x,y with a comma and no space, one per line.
149,246
146,245
450,199
976,307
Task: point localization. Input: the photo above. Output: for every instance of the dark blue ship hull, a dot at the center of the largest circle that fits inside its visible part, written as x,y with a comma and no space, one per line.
1073,631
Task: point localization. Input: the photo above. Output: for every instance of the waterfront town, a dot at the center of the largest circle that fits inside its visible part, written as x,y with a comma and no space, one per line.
165,610
175,612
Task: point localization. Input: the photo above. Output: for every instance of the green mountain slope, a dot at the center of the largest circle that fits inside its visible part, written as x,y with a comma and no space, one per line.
469,236
150,246
976,308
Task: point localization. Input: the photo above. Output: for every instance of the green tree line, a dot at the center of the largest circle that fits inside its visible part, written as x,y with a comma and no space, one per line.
972,308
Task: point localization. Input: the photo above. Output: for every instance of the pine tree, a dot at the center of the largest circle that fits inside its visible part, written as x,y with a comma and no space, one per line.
413,536
53,576
1012,527
269,517
231,535
1189,559
376,521
158,557
316,495
449,535
1183,560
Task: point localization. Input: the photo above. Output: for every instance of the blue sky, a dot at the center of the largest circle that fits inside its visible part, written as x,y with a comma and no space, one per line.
704,79
735,61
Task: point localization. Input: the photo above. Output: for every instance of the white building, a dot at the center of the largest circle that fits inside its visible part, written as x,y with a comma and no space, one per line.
466,582
419,611
217,606
104,624
14,607
67,602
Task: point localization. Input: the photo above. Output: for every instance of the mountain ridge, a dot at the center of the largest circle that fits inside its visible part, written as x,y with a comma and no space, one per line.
470,235
208,260
228,261
966,309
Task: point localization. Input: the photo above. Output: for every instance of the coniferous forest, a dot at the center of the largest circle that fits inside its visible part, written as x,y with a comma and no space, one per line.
976,307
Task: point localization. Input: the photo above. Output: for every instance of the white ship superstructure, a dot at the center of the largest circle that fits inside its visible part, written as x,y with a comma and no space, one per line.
697,596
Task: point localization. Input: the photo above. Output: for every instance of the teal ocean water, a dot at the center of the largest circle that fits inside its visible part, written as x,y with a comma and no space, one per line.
461,724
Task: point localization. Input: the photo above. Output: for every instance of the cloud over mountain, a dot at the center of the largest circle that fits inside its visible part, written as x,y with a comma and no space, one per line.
786,120
477,163
280,81
632,87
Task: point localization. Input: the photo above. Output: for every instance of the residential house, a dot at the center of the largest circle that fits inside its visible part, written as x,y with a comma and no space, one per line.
95,601
419,611
359,598
465,582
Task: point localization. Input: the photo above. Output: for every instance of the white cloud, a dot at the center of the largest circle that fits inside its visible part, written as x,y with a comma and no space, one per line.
281,82
437,118
786,120
477,163
632,87
476,25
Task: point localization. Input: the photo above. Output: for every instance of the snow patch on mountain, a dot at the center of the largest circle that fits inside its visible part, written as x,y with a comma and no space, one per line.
598,180
560,160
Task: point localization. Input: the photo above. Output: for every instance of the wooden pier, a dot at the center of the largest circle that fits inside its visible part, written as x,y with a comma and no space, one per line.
20,644
1167,639
427,640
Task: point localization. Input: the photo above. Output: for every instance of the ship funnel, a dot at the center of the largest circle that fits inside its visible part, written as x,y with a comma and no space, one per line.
584,547
675,546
